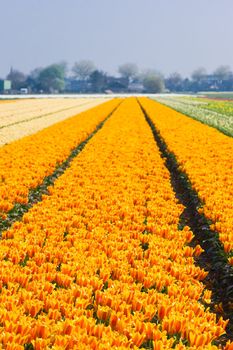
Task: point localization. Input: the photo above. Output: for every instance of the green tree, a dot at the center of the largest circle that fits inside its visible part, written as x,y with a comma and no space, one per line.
98,81
153,83
51,78
32,80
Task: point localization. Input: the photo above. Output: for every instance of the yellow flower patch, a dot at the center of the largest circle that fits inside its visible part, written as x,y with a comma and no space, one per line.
100,262
205,155
26,162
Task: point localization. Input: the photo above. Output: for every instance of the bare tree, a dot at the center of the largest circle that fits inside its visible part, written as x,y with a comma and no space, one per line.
223,72
128,71
198,74
17,78
83,69
149,72
174,82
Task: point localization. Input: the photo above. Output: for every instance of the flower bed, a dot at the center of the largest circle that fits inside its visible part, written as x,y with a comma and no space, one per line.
100,263
205,155
26,162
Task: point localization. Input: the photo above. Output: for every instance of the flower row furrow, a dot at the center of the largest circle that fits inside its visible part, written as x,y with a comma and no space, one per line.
26,162
100,262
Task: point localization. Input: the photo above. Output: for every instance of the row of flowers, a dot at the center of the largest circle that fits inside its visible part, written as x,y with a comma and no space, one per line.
19,111
26,162
222,107
205,155
27,117
100,262
216,114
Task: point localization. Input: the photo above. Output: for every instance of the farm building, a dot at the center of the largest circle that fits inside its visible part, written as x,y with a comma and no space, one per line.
5,86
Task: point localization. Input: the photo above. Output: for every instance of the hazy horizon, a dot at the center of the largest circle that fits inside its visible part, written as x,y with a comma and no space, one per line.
166,35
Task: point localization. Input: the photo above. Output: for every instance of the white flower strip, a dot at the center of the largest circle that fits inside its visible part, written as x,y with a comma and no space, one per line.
23,118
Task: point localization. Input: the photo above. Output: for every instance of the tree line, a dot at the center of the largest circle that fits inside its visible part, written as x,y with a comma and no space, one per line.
85,77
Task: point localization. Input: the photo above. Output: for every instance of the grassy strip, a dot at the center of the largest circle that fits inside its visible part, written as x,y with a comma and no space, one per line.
35,195
219,95
214,260
41,116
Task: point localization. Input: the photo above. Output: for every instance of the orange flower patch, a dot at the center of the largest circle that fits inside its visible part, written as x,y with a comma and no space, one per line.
205,155
100,263
41,154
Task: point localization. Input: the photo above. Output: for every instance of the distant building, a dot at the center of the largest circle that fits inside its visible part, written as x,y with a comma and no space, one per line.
5,86
136,86
24,91
116,85
76,86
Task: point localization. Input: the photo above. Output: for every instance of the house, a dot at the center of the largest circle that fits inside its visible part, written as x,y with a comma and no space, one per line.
5,86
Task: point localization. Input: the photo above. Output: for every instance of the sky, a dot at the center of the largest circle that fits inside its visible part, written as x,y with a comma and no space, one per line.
166,35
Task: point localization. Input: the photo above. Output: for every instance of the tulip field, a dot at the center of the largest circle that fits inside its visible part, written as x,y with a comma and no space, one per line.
95,252
205,155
